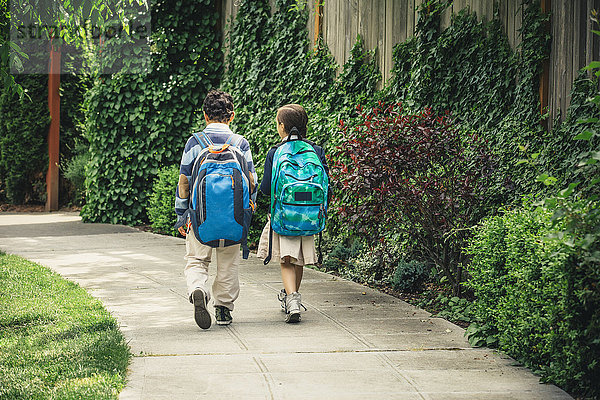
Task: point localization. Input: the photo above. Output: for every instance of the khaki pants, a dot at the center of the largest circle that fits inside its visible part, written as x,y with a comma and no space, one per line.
226,286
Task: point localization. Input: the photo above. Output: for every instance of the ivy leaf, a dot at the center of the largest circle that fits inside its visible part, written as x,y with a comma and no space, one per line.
585,135
588,121
592,65
569,190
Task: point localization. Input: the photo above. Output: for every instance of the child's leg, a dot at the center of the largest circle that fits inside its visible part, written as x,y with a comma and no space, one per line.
226,286
299,270
198,258
288,275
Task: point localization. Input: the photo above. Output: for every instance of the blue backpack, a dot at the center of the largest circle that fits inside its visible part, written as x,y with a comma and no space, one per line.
221,207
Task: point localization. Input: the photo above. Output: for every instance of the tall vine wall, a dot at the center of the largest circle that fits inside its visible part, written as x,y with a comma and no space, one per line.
137,123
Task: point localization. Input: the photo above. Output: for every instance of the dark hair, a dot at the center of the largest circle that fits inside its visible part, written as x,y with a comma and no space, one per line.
294,118
218,106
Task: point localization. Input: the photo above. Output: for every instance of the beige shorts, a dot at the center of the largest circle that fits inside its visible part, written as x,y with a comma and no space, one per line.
301,249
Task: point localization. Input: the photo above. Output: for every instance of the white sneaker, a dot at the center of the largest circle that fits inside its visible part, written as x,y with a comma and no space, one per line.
293,302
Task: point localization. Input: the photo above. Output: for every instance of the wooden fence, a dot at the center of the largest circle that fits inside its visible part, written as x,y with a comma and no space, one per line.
384,23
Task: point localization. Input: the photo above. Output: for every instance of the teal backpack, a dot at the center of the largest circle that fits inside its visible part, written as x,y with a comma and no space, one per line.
299,188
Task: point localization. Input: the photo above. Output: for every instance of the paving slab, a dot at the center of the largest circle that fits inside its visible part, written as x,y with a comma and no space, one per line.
353,342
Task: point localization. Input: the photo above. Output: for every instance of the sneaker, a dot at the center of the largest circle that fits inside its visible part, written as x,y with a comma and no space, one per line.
281,297
293,302
201,314
223,315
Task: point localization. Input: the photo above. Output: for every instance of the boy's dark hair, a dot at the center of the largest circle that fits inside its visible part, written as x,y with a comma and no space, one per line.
293,116
218,106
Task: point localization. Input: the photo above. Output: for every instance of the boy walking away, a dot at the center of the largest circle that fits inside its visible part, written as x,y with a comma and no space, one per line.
214,204
296,178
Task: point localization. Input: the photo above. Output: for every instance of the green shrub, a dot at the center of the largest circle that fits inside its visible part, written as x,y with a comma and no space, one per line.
535,276
74,172
452,308
24,126
161,208
337,259
410,276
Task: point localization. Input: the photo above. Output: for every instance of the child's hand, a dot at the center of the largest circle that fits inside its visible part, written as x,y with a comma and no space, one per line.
181,230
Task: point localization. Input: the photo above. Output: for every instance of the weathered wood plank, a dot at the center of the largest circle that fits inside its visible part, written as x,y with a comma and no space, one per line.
510,27
399,29
386,50
552,70
518,23
381,35
475,6
340,33
446,17
310,24
410,18
563,7
589,40
568,48
581,35
575,14
350,33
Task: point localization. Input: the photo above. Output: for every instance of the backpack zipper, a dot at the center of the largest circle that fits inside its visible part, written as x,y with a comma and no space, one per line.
296,204
303,180
200,197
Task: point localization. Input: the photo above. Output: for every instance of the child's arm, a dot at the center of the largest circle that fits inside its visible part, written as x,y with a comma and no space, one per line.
182,191
265,185
324,161
245,148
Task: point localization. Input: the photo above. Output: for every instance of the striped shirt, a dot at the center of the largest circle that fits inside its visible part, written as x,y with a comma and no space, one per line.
218,133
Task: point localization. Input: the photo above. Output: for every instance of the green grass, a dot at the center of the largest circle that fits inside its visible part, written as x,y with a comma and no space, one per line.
56,341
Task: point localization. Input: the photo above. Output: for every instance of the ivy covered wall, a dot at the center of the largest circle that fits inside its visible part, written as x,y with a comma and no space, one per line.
137,123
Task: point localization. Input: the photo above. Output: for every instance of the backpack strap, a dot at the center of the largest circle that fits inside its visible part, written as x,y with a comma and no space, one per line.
268,258
204,141
235,140
320,257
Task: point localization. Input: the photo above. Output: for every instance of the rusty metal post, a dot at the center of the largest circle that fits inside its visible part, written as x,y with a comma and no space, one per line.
54,131
318,19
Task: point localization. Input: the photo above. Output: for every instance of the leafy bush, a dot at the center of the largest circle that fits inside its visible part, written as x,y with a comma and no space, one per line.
74,172
410,276
338,257
137,123
24,124
161,208
535,277
414,174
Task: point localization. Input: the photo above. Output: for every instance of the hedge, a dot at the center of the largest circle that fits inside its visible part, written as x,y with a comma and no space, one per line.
535,278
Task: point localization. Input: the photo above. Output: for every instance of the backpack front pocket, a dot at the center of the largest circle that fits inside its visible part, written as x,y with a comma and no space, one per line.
218,208
301,211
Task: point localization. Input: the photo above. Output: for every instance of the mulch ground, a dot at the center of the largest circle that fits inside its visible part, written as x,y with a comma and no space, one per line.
33,208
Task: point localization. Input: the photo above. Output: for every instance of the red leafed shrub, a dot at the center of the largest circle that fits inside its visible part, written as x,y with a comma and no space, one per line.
416,174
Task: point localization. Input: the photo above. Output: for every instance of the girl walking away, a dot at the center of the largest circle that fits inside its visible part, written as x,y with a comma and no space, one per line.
296,178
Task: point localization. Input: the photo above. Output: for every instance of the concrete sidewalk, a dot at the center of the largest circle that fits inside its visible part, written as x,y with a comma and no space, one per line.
352,343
